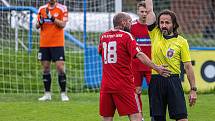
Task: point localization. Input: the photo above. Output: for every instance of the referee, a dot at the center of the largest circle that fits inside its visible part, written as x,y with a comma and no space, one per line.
170,49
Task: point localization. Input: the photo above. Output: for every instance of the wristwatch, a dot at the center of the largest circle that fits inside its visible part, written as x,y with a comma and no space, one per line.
194,88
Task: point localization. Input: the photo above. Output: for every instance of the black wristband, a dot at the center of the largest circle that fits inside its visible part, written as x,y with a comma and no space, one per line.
52,19
193,88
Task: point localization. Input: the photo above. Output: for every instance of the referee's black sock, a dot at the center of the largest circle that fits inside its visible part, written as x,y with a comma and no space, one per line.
158,118
62,82
47,81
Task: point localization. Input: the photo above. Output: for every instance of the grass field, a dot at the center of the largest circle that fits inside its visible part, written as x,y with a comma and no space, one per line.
82,107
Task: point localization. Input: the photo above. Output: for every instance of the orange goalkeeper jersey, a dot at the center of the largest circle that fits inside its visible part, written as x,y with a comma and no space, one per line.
50,34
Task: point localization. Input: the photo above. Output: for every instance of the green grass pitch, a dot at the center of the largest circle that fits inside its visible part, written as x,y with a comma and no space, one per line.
83,107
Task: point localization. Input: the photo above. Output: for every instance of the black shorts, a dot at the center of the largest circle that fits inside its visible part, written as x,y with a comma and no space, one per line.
167,92
51,54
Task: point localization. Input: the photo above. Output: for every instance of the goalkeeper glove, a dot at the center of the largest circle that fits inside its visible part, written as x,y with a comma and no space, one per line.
41,20
49,16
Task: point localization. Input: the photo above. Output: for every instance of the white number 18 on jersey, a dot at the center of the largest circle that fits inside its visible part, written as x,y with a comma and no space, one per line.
110,55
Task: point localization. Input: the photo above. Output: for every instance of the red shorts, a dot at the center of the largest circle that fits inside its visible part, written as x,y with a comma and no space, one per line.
139,76
125,103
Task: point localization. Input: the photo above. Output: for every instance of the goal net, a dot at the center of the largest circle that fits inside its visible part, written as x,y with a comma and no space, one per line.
21,72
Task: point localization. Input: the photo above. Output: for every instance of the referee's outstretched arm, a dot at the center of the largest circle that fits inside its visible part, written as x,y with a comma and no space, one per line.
151,17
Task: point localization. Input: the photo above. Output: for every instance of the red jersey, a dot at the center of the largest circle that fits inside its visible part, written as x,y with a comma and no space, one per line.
117,48
140,32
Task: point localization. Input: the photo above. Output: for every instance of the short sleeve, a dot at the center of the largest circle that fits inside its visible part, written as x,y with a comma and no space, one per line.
154,33
132,46
65,14
185,52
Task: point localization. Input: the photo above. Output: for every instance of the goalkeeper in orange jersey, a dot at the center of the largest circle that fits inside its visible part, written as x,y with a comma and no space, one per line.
168,48
52,18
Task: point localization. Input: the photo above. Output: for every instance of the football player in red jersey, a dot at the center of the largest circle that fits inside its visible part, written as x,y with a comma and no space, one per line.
140,31
117,48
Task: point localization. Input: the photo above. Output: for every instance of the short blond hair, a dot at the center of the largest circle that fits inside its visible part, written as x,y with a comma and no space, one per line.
141,4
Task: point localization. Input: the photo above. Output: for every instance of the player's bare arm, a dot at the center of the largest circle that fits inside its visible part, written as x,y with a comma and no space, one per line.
160,69
56,21
60,23
151,18
190,76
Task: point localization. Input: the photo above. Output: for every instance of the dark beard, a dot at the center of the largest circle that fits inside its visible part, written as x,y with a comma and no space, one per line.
165,31
51,3
126,29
